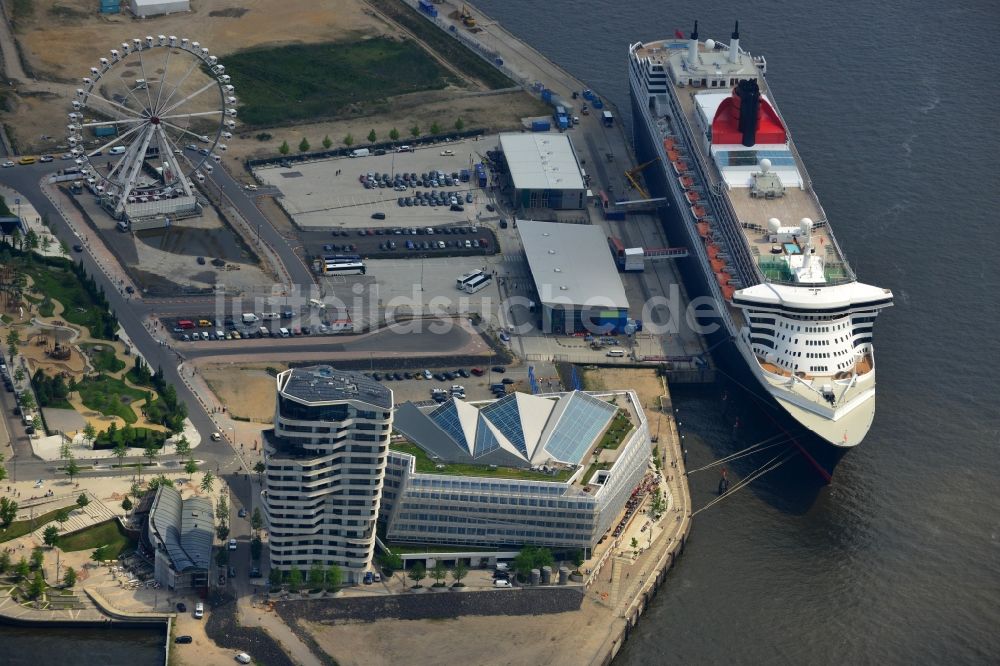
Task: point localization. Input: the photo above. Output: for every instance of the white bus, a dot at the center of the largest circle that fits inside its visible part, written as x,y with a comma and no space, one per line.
616,353
478,283
467,278
344,268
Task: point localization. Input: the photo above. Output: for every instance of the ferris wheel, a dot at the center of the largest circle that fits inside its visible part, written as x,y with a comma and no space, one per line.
161,107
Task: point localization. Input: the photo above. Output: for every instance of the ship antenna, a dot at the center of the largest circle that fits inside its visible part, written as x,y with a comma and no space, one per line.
736,31
694,35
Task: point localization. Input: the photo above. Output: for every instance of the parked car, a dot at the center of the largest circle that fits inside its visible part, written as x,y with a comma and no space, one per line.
502,583
183,640
232,544
499,369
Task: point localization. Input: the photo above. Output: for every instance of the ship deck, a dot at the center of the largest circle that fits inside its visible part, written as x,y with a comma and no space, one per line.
754,212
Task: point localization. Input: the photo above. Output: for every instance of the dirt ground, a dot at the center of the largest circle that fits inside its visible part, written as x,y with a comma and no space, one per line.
492,112
247,391
563,638
644,382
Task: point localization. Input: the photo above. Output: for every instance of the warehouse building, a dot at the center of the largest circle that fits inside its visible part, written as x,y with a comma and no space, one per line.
147,8
575,278
541,170
180,533
515,471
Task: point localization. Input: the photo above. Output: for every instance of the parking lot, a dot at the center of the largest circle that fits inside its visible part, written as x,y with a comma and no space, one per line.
468,383
395,241
344,193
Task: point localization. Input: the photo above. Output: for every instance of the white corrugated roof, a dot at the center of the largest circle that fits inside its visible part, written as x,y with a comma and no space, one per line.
572,265
541,161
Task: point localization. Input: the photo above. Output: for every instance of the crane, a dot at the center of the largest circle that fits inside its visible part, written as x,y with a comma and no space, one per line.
633,177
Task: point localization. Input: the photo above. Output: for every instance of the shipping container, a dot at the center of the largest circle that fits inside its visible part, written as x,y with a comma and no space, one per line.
427,7
540,126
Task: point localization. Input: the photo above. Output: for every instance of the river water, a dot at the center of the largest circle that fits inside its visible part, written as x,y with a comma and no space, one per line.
81,646
893,108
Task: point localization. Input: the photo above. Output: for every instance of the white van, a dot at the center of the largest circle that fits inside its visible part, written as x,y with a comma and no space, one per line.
616,353
269,316
284,332
117,150
361,152
249,318
199,610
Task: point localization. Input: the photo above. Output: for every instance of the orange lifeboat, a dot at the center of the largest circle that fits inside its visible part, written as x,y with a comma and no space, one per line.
722,278
692,196
669,143
680,168
686,182
713,250
698,212
703,229
728,291
673,155
717,264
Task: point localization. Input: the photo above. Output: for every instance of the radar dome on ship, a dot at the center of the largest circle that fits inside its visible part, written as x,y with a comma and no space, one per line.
765,165
806,225
709,44
773,225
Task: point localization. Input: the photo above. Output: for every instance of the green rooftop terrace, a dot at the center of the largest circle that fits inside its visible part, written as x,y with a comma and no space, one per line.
425,465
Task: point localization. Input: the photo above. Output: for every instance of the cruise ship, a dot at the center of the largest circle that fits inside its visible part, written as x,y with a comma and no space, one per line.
760,242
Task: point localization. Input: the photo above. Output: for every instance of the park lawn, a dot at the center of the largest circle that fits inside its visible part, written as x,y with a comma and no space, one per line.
19,528
427,466
104,394
104,360
62,285
299,82
108,533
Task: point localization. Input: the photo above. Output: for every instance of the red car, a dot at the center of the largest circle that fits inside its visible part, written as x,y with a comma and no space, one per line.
478,372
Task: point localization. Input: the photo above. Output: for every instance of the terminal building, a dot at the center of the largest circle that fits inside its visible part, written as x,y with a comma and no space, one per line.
324,469
542,171
575,278
180,534
551,470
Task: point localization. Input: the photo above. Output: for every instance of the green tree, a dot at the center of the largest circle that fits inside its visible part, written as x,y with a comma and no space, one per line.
439,572
51,536
4,561
3,468
435,128
82,500
334,578
415,131
303,145
256,520
577,557
222,531
222,557
372,136
31,239
294,579
72,469
531,557
127,504
182,447
28,402
19,375
635,546
459,124
89,433
260,468
392,562
459,571
22,570
101,554
46,243
207,481
190,466
348,140
394,134
69,580
37,588
151,452
284,148
62,515
120,452
276,578
136,490
417,573
327,142
256,548
316,576
8,511
222,509
37,558
13,340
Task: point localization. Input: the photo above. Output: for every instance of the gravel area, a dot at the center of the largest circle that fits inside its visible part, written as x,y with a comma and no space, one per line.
222,628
